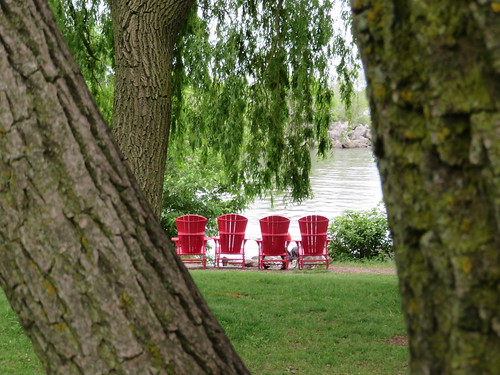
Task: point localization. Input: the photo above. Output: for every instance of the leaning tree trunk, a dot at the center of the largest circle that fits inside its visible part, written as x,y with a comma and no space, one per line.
83,260
145,33
433,70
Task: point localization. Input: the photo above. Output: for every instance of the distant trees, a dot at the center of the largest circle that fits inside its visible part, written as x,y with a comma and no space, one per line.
358,111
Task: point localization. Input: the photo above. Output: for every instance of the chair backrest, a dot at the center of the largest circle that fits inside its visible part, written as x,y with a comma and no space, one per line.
232,229
191,233
314,231
274,231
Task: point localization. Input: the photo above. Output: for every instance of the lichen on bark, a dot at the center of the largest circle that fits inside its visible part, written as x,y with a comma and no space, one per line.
432,71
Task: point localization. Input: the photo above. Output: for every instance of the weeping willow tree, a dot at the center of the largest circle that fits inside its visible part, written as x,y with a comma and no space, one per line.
246,81
88,31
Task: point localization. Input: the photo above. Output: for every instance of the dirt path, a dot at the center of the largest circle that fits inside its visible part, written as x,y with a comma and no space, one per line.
342,269
331,268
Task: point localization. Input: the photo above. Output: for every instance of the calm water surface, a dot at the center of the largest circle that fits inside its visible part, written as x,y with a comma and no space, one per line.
348,180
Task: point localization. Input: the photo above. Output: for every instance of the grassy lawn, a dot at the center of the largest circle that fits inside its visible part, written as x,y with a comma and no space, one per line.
281,323
311,322
16,353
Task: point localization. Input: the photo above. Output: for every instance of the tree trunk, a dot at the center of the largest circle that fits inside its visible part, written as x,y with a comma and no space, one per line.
83,260
145,33
433,70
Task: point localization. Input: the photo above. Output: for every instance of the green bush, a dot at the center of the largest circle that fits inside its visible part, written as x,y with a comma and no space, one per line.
360,235
194,187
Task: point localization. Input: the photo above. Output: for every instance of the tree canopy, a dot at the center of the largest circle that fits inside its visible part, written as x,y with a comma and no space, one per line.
252,82
86,26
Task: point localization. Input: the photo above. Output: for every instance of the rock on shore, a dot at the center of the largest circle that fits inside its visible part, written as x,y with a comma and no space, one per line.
344,135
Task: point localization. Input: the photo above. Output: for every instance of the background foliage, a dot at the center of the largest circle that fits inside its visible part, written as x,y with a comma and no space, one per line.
197,186
253,93
358,112
86,27
254,82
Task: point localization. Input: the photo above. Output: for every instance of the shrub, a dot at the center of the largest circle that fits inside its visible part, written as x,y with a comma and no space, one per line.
360,235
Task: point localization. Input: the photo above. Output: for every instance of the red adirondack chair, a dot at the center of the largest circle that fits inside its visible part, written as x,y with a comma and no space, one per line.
191,242
314,242
231,240
275,240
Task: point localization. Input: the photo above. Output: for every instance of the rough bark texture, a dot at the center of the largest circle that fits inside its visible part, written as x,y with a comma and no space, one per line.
145,33
433,70
83,260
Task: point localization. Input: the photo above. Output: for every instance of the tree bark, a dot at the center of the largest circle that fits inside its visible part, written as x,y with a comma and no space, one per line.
83,260
145,32
433,70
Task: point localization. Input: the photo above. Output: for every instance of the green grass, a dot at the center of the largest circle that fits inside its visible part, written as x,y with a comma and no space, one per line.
309,323
306,323
16,353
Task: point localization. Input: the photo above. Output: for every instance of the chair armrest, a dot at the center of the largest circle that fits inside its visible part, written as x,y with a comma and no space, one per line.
176,242
259,242
216,243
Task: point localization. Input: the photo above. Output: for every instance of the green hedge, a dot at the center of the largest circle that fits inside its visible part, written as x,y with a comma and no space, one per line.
360,235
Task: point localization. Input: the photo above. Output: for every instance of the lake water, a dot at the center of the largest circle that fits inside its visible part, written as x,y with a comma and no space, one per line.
347,180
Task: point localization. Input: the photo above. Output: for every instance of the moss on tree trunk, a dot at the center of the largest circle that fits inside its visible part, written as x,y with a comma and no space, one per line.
433,70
